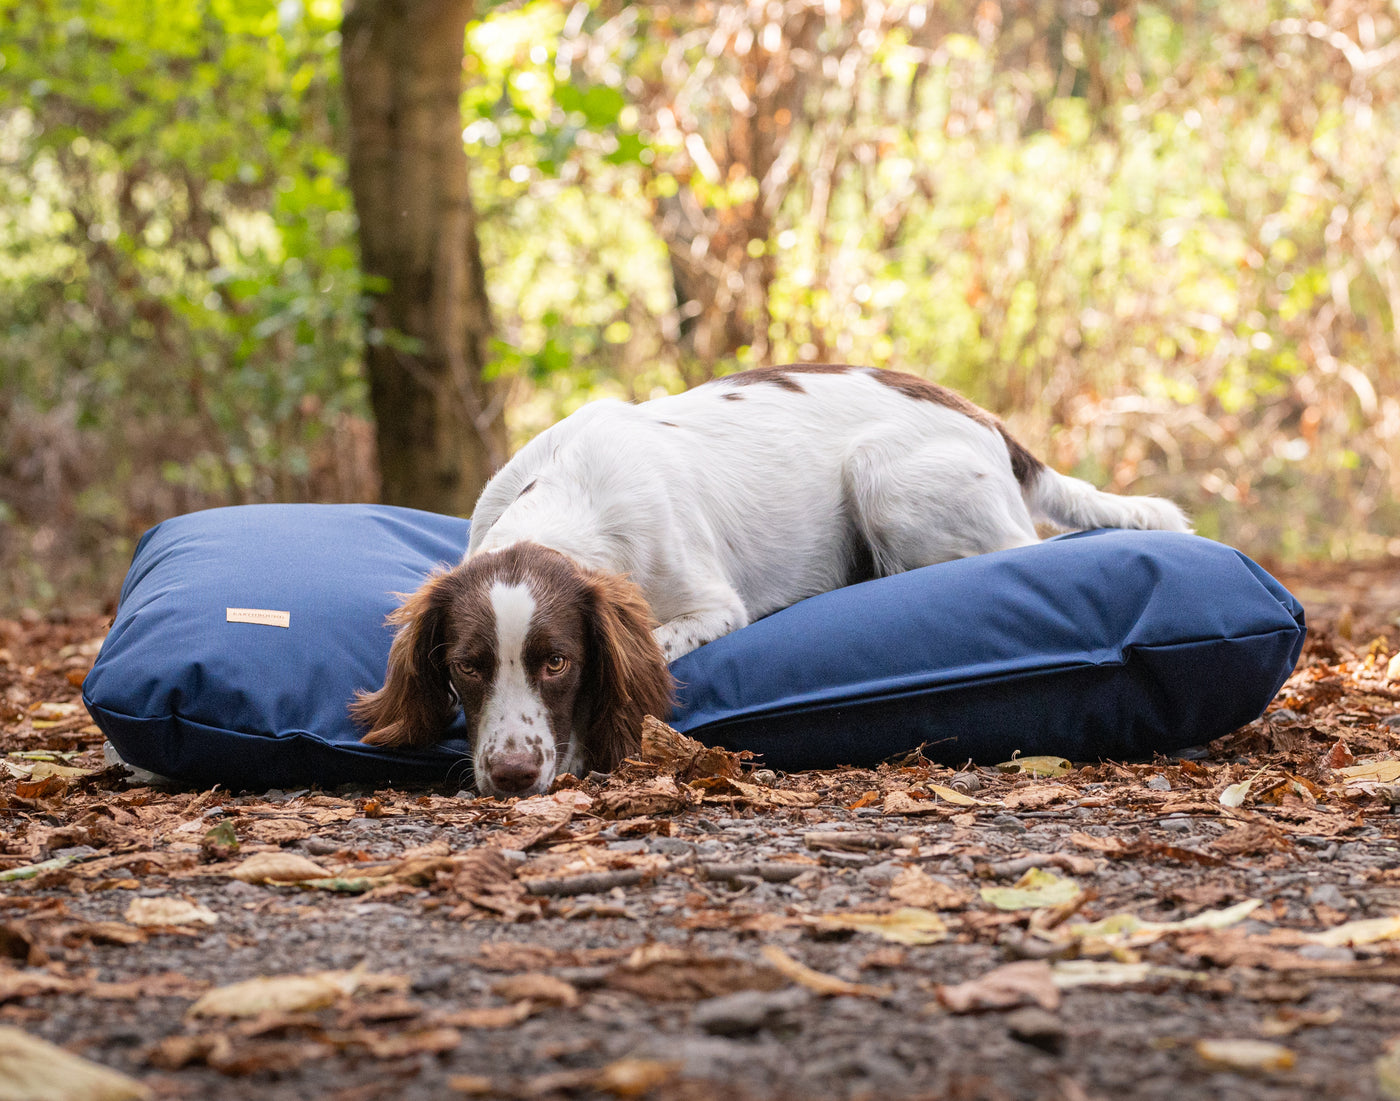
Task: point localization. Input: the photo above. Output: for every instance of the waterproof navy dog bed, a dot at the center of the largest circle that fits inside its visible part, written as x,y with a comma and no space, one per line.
242,634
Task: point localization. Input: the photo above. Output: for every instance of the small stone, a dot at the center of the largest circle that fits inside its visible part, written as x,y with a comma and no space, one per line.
1159,783
765,776
1009,823
879,875
1038,1028
1177,823
435,980
1392,721
747,1011
320,846
1327,894
1284,715
672,846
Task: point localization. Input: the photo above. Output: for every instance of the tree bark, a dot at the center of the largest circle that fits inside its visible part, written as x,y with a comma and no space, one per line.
439,424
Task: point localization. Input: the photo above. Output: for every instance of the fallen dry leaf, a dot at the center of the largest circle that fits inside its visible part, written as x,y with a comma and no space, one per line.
907,925
904,802
423,1041
1287,1020
537,987
278,867
685,758
473,1085
1250,1056
1024,982
1387,1068
569,799
953,795
728,789
1251,839
1034,796
1235,794
1036,766
635,1077
1128,929
661,973
1382,771
659,795
290,993
167,910
1038,888
32,1069
915,887
1357,933
490,1016
15,985
1072,973
816,981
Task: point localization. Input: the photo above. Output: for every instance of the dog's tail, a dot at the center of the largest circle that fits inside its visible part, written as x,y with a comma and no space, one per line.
1077,505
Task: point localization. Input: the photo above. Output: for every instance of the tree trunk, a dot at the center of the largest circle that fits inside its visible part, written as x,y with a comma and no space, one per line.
439,425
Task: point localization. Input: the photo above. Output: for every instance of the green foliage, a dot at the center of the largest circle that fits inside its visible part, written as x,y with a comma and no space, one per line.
179,290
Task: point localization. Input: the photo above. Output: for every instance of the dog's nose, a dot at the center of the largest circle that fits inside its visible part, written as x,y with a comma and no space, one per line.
513,772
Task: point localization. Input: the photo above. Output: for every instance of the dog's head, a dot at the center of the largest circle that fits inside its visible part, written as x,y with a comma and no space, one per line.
553,665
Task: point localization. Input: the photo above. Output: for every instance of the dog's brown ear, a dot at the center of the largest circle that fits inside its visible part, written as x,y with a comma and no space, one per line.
416,704
627,670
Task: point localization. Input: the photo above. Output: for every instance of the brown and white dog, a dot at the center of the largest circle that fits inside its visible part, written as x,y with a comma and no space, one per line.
627,535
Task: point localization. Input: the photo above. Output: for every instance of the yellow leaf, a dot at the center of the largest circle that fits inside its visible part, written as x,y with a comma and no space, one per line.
815,980
952,795
1387,1067
289,993
907,925
1382,772
1130,927
1235,794
1036,889
631,1077
1356,933
1036,766
1072,973
166,910
32,1069
1245,1055
278,867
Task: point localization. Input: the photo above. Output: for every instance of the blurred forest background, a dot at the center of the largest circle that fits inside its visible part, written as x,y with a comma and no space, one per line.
1160,239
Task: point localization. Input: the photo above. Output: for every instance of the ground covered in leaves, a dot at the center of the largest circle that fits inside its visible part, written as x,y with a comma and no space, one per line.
1220,925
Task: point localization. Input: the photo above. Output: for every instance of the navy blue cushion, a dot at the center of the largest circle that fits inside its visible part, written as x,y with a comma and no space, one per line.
1106,644
181,691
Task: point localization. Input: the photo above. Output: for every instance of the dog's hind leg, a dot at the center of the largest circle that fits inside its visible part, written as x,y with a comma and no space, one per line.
941,499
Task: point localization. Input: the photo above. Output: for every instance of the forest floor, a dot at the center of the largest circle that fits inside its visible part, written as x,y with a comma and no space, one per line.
1222,925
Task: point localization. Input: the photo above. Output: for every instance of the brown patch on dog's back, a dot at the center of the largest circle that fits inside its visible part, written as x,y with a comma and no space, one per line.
1024,465
783,376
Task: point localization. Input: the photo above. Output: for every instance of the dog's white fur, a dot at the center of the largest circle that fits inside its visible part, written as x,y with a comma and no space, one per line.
730,501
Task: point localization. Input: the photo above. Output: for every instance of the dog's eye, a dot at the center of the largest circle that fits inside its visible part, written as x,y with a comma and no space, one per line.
556,664
467,669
